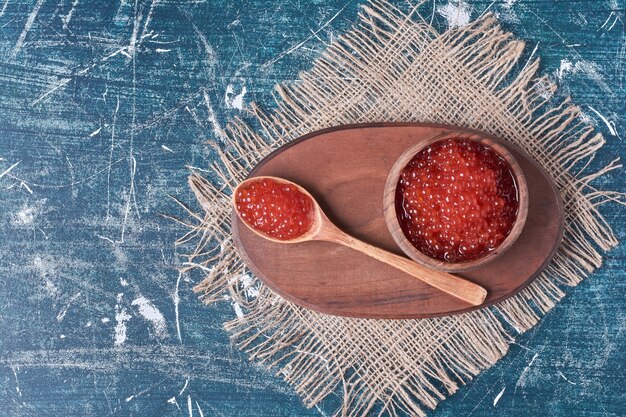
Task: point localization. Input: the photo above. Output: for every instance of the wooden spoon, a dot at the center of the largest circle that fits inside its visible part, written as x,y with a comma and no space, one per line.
324,230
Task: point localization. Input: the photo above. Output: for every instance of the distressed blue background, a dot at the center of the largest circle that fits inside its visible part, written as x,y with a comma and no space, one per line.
102,107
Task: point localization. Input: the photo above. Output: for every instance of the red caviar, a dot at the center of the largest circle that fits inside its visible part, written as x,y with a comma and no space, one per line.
457,200
278,210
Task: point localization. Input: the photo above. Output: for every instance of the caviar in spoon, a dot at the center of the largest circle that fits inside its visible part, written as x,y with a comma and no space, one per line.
276,209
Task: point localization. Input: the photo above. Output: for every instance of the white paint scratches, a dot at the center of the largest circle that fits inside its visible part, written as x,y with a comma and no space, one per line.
162,50
608,19
217,129
237,308
121,317
105,320
563,376
29,24
199,409
64,81
176,300
211,57
545,88
70,168
123,282
193,114
62,336
148,18
321,411
25,216
45,268
189,406
23,185
248,283
300,44
63,311
88,324
4,7
184,387
587,68
133,37
152,314
17,381
530,57
173,358
195,168
609,124
456,12
95,132
68,17
565,67
507,13
132,397
131,196
521,381
234,101
174,402
120,257
495,400
167,148
110,165
9,169
614,22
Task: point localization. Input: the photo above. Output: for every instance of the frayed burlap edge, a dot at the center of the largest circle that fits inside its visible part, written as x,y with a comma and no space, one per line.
393,66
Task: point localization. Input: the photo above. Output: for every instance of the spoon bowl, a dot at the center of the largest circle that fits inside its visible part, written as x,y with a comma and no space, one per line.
316,213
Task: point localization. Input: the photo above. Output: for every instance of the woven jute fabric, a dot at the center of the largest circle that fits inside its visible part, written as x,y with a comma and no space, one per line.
393,66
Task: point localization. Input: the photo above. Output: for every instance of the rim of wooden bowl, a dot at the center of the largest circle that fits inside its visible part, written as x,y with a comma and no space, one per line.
407,247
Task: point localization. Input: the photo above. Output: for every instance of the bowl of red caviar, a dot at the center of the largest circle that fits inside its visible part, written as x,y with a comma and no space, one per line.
456,201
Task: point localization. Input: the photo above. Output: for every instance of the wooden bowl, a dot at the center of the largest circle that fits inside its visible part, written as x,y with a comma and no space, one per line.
391,218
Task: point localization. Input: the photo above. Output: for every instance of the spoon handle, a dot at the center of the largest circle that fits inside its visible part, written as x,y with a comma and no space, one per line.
458,287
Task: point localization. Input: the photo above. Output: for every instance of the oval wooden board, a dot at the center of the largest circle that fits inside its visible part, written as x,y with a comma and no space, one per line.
345,169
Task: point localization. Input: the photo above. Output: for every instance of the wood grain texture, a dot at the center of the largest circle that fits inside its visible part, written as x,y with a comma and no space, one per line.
346,169
77,111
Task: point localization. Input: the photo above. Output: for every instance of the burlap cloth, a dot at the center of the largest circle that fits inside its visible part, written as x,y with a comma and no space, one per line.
393,66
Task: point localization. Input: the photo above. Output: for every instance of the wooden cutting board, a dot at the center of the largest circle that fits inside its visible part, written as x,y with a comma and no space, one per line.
345,169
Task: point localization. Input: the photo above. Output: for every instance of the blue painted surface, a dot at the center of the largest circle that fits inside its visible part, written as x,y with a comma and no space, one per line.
103,107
